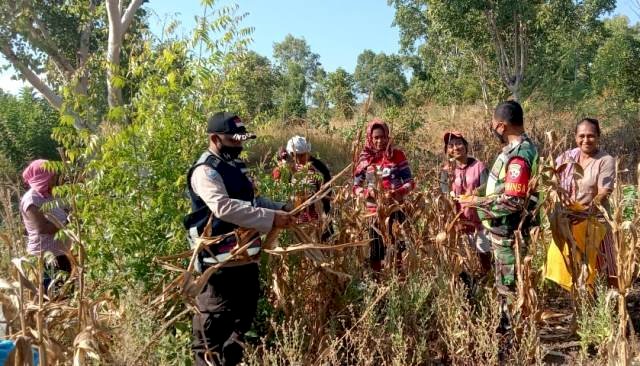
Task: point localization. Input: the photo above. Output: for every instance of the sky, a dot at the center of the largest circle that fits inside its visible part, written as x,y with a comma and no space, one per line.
337,30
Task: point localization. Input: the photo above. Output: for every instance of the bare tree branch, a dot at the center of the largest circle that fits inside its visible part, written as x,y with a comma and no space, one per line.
114,94
118,25
127,18
83,52
54,99
501,54
511,63
41,37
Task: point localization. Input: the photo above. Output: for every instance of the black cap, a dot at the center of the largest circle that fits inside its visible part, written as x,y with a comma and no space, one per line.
228,124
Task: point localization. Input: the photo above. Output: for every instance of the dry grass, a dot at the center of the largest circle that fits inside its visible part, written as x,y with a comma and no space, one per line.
322,305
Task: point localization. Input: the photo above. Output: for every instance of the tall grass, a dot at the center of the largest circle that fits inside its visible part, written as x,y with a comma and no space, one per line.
321,306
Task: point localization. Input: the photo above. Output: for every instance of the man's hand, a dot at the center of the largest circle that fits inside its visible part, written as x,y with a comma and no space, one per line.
287,207
470,200
283,220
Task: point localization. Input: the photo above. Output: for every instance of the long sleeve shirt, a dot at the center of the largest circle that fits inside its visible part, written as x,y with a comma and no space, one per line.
508,184
393,173
208,185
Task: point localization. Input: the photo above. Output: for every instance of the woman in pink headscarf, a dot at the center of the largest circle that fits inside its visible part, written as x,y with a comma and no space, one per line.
41,230
382,170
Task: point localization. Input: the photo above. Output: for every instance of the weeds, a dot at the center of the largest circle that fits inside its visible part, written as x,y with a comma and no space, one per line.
320,305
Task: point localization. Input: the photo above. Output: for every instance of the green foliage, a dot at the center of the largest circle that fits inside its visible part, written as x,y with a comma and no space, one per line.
340,86
471,47
631,197
294,50
26,123
133,200
616,67
381,77
595,320
291,91
52,28
66,41
254,83
300,77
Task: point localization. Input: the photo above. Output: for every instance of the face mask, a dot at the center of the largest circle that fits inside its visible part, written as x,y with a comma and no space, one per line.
498,136
230,152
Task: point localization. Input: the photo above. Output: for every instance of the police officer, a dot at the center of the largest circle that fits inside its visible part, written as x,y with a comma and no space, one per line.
223,199
509,199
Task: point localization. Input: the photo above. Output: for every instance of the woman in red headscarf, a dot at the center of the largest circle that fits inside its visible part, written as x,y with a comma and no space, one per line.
41,230
382,173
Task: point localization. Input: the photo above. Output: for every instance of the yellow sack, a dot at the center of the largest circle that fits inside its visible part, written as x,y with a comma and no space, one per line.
556,269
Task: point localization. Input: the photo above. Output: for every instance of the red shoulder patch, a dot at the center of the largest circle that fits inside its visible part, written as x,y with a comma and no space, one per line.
516,181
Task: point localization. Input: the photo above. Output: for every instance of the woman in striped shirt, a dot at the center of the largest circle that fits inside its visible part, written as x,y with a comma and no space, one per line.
40,229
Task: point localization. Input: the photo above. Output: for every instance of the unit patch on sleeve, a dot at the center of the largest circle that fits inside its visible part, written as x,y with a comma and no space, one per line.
517,178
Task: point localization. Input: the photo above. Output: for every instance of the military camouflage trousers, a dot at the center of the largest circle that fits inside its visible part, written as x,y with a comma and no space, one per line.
504,253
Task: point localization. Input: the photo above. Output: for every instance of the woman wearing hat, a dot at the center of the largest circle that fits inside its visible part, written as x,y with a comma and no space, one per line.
463,175
296,165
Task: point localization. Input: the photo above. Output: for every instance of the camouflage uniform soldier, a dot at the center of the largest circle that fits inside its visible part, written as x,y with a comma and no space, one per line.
508,197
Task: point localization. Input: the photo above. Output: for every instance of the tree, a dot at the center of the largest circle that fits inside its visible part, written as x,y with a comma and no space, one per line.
380,77
290,92
294,58
131,198
340,92
510,36
254,84
297,51
319,111
616,67
119,21
26,123
50,45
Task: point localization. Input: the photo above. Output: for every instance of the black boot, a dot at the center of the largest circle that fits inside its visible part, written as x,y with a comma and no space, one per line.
505,329
469,284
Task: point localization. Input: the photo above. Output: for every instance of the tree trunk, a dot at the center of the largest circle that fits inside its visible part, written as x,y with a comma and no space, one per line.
511,62
367,103
515,91
118,25
54,99
483,81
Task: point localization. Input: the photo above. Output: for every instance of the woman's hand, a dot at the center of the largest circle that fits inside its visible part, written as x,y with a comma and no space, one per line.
600,199
370,193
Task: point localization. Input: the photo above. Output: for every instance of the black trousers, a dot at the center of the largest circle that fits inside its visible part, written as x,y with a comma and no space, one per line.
51,270
227,306
377,249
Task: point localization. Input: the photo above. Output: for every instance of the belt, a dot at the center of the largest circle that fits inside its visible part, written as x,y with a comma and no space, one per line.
222,251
